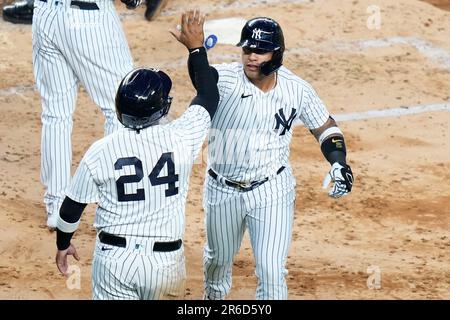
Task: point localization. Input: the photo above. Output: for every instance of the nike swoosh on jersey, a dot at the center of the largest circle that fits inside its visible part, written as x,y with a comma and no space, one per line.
243,96
106,249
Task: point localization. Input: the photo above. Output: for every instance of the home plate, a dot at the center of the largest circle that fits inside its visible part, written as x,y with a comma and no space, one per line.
227,31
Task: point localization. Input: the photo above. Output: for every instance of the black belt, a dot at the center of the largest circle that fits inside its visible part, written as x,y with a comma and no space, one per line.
117,241
245,187
81,5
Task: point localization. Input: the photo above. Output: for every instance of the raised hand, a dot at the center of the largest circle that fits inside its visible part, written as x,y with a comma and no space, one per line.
190,31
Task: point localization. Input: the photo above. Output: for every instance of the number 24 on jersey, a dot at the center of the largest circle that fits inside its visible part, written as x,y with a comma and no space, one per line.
155,179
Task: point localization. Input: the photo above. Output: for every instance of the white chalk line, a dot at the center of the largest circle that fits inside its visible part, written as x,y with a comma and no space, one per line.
432,52
17,90
391,113
352,116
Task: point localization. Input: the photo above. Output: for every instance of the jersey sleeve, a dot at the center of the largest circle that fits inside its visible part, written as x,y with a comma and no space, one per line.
192,127
227,78
83,188
314,112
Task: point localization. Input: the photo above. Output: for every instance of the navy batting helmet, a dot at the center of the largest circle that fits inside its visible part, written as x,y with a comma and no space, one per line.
143,98
264,33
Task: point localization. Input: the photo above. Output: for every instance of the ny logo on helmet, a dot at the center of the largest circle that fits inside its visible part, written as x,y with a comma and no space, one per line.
257,34
281,120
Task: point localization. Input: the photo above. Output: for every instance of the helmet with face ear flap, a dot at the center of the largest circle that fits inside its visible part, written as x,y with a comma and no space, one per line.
265,34
142,98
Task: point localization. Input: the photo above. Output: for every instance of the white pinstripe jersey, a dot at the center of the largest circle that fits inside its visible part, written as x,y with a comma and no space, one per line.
140,180
251,130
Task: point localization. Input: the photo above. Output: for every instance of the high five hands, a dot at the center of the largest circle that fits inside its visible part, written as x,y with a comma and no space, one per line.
190,30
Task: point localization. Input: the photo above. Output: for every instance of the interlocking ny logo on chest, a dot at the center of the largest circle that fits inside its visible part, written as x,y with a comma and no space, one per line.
283,124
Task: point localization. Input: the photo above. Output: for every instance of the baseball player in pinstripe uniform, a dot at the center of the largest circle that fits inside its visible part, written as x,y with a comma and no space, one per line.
139,178
249,183
74,41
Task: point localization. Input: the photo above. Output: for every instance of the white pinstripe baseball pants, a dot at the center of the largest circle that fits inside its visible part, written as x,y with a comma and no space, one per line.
72,46
267,212
137,272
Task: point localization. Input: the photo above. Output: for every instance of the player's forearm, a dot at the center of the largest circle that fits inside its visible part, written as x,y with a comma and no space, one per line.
192,74
334,149
205,80
331,141
69,219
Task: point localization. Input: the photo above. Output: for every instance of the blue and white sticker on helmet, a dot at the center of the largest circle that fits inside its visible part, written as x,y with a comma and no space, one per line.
210,41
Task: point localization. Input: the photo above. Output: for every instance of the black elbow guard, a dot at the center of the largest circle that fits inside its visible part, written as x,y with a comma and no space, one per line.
334,149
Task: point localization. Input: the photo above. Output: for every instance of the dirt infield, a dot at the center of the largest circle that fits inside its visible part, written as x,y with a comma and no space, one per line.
395,222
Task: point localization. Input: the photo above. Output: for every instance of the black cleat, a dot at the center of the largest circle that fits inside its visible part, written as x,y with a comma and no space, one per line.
19,12
154,8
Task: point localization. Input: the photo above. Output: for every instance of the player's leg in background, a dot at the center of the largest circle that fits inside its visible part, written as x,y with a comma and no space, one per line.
96,47
57,86
154,7
225,227
270,231
114,273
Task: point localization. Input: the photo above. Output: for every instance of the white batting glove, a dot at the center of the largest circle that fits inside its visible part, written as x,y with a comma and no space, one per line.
342,176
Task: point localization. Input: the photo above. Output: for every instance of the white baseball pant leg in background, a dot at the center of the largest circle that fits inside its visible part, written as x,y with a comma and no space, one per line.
72,46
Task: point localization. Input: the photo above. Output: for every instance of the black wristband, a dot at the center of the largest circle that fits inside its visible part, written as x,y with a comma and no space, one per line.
334,149
200,50
63,239
70,212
